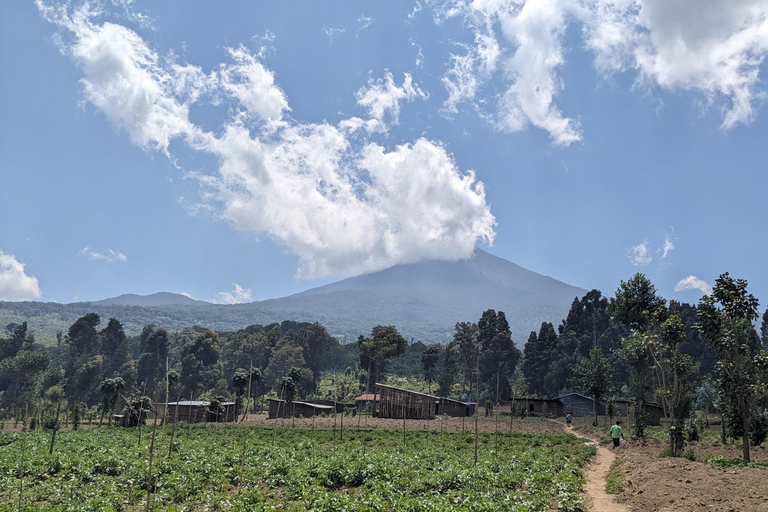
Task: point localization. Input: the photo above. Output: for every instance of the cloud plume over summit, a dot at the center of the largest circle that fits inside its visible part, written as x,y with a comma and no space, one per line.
344,204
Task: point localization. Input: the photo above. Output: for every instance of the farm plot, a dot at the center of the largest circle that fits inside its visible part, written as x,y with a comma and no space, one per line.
292,469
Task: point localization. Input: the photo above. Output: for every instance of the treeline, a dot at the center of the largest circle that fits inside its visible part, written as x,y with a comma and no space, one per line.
635,345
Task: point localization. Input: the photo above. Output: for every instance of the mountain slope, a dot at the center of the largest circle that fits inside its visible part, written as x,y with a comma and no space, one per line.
423,300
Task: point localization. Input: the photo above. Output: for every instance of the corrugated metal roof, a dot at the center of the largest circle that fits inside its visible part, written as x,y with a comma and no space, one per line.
196,403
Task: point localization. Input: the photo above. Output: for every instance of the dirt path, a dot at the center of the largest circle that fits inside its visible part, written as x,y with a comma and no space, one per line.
596,499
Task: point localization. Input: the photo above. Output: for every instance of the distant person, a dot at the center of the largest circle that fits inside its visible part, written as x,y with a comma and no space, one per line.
568,419
616,434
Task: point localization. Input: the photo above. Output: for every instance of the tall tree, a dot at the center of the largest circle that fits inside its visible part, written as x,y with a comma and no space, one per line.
498,354
384,343
636,303
465,339
594,376
725,319
448,372
429,361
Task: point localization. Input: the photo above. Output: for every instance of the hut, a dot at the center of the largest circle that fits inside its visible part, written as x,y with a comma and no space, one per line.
454,408
581,405
283,409
548,407
196,411
403,403
365,402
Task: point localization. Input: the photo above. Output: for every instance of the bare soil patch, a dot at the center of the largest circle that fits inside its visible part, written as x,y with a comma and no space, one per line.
670,484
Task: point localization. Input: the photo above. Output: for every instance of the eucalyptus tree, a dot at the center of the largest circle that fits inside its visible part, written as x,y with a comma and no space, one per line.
726,321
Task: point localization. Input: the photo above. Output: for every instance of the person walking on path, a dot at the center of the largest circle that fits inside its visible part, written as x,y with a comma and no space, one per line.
616,434
568,419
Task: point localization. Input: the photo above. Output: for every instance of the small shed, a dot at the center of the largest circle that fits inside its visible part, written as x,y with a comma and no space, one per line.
283,409
539,407
653,411
365,402
404,403
196,411
454,408
580,405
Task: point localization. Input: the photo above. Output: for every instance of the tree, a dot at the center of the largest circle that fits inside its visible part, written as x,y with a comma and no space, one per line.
465,339
498,355
725,320
110,392
154,353
82,336
384,343
594,376
240,381
197,359
448,370
635,303
429,360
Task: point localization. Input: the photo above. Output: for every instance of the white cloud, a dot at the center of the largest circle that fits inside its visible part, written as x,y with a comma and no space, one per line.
333,32
253,86
709,46
109,256
668,247
523,42
15,284
640,254
382,98
345,205
365,22
693,283
236,296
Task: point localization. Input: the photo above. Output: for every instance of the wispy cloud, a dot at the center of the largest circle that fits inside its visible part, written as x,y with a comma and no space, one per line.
693,283
15,284
236,296
382,98
521,42
332,33
109,256
364,22
668,247
640,254
342,202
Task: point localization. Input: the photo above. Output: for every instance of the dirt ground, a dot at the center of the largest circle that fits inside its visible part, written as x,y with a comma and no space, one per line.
663,484
677,484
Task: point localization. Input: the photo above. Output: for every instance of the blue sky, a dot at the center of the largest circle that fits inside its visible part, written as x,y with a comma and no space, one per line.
256,150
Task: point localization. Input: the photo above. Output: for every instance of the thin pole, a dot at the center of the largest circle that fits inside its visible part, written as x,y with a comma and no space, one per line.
150,476
23,453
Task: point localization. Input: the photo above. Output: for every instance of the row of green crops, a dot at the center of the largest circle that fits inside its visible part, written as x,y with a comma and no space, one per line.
105,469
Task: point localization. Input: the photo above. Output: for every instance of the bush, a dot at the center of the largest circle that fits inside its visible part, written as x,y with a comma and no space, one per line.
690,454
758,428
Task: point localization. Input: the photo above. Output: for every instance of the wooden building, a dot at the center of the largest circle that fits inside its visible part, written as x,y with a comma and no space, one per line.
365,402
403,403
581,405
547,407
454,408
196,411
283,409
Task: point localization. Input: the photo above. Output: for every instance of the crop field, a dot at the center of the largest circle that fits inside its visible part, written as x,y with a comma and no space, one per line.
291,469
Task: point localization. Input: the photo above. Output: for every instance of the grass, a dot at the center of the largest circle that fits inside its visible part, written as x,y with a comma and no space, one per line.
614,480
294,469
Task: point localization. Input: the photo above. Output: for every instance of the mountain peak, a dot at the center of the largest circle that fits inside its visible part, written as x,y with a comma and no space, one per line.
155,299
